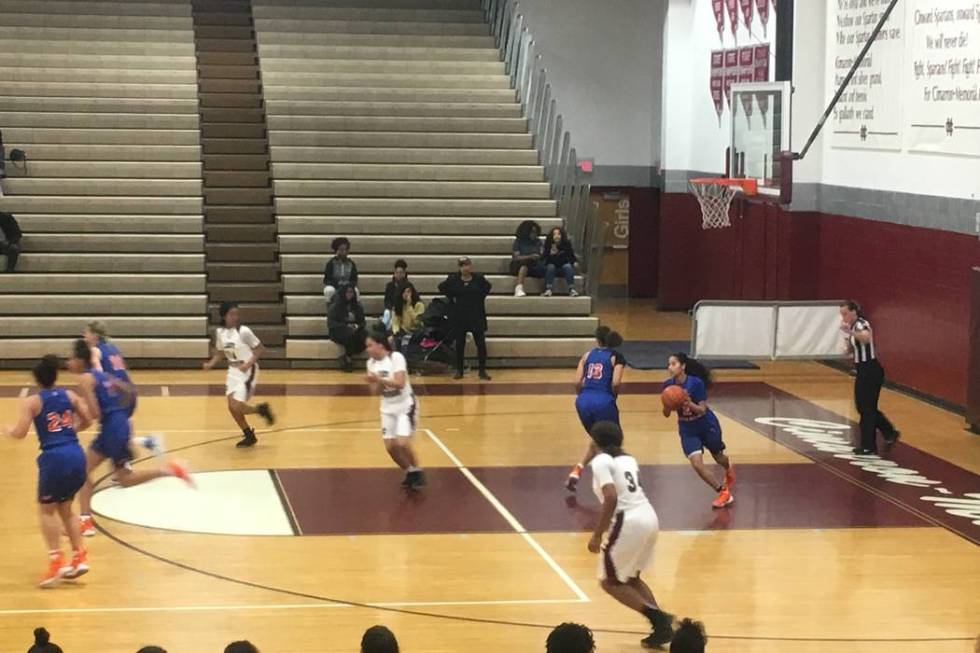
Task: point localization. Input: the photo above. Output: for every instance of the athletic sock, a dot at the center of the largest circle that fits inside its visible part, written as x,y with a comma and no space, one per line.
577,470
412,468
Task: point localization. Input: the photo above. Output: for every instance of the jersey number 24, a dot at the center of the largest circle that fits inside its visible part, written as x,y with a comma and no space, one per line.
57,422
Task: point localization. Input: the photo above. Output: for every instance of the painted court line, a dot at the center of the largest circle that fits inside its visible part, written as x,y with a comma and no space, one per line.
279,430
282,606
509,518
165,391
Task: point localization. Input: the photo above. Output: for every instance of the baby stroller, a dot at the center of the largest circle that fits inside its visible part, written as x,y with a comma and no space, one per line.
429,350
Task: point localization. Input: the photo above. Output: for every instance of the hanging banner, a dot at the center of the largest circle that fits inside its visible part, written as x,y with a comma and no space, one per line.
943,70
760,63
869,114
762,8
733,16
731,73
747,13
718,80
718,6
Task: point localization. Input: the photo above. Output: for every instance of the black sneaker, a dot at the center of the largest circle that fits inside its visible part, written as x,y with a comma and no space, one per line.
861,451
457,376
484,375
418,480
663,630
265,412
248,440
892,440
407,481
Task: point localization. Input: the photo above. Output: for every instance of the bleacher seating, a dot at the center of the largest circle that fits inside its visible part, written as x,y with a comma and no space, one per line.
102,96
393,122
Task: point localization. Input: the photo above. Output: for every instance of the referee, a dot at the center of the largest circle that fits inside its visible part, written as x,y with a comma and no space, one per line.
870,378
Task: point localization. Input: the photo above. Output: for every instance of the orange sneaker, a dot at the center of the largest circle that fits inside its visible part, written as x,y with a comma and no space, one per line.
86,525
78,567
723,499
730,477
179,470
52,576
571,483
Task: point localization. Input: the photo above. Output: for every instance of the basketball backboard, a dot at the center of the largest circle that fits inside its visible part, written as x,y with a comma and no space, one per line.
761,113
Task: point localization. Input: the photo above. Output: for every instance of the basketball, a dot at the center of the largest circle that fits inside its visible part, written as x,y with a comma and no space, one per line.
673,397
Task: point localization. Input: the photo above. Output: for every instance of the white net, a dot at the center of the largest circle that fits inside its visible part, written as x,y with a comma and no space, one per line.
715,200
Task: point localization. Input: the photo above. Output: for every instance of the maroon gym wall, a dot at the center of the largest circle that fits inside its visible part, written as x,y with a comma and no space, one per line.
913,282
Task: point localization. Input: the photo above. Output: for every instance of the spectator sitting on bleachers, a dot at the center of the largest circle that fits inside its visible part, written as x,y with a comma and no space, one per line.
340,270
241,646
10,236
559,256
378,639
570,638
689,638
152,649
406,316
526,259
345,323
398,280
42,643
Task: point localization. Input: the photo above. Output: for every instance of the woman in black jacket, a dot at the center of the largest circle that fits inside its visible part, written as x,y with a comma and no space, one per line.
468,292
345,322
559,255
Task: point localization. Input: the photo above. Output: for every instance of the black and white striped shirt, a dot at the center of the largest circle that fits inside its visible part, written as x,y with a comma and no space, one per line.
863,352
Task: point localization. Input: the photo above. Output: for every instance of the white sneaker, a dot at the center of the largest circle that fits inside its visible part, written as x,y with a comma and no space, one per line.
546,293
152,443
519,292
572,292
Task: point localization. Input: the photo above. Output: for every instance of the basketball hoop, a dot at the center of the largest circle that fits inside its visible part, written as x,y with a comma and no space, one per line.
715,196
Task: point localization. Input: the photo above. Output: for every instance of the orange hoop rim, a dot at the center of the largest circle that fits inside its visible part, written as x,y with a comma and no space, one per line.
746,185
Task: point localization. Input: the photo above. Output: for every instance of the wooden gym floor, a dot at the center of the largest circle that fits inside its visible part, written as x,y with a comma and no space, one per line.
304,541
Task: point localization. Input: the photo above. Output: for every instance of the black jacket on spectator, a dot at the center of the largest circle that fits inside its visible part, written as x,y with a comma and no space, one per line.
340,313
469,300
9,229
336,268
565,254
392,290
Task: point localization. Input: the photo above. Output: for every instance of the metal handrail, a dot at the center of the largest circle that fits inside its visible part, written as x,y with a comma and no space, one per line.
529,78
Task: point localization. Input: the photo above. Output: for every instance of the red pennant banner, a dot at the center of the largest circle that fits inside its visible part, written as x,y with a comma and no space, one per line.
761,63
718,79
718,6
762,8
733,14
747,7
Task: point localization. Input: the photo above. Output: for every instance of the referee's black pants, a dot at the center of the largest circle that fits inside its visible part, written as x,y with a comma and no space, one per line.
867,389
479,337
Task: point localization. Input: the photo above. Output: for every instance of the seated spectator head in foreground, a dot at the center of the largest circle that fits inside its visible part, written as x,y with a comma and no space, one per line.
151,649
42,643
689,638
378,639
340,246
400,273
570,638
241,646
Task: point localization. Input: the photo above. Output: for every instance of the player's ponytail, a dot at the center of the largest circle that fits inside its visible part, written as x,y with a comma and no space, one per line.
614,340
602,334
694,367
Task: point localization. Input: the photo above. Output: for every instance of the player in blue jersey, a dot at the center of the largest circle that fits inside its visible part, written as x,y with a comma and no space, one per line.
56,413
597,381
108,398
698,425
106,357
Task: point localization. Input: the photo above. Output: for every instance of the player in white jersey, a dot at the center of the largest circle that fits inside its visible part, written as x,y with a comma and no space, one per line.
632,527
387,375
242,349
